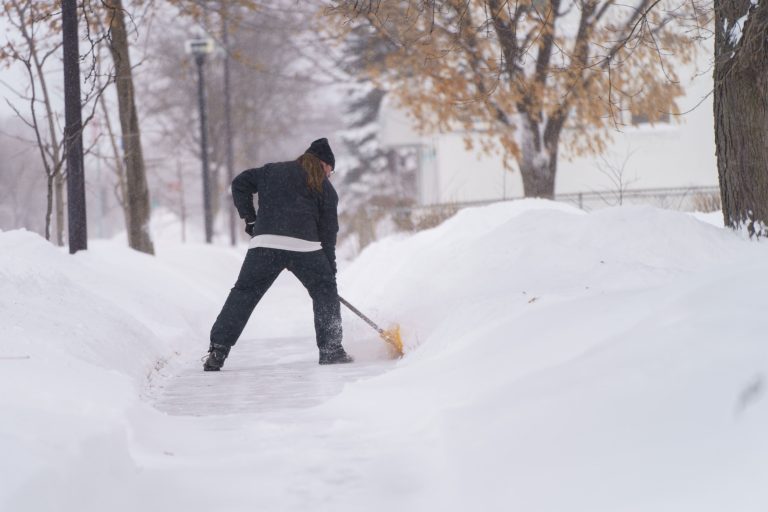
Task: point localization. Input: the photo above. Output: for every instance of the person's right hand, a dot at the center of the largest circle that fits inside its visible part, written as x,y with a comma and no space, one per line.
250,228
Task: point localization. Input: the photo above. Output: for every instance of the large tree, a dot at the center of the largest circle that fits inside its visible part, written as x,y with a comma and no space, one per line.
741,112
517,74
137,191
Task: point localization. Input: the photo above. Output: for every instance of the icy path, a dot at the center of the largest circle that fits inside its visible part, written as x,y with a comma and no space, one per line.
256,435
260,376
250,437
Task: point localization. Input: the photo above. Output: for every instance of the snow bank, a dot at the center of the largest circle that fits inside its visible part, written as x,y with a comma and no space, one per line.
557,360
564,361
81,336
111,307
504,256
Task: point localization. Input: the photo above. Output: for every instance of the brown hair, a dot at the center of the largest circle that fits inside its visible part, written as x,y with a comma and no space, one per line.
313,166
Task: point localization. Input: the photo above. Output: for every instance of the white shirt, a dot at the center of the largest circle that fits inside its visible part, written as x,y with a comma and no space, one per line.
286,243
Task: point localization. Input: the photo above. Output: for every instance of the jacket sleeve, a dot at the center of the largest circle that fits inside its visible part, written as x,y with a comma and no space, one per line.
328,226
243,187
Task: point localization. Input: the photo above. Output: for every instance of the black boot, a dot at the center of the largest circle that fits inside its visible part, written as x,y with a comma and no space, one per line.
336,357
216,356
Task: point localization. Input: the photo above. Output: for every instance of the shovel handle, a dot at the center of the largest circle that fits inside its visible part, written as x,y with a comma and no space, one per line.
361,315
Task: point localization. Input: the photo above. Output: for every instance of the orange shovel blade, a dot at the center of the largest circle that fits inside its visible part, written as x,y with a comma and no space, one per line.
392,337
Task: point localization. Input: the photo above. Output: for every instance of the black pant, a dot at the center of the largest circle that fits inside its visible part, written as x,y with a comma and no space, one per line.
260,269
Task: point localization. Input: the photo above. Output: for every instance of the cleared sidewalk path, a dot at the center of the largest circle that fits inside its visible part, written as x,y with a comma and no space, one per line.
260,376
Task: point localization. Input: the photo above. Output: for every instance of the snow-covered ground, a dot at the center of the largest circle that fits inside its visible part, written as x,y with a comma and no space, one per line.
556,361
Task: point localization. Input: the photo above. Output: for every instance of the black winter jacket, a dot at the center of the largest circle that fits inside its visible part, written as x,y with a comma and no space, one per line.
287,206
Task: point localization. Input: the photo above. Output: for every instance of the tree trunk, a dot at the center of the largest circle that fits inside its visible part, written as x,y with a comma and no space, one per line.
182,203
48,205
59,182
228,134
137,199
741,114
538,172
215,192
538,159
119,171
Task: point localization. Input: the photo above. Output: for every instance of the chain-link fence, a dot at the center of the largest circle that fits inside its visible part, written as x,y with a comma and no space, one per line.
703,199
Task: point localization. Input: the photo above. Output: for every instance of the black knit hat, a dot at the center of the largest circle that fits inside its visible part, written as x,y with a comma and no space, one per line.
322,150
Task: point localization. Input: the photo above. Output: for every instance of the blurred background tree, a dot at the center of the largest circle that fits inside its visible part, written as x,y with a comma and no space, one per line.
514,75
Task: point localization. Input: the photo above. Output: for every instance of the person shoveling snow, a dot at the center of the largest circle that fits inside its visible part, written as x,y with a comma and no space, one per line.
295,229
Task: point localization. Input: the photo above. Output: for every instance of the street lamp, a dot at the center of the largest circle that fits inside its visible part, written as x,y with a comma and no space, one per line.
199,48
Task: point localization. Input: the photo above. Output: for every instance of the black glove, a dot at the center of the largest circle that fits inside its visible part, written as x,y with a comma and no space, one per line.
250,228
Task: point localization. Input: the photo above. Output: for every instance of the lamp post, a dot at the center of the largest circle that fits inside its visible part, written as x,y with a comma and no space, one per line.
199,48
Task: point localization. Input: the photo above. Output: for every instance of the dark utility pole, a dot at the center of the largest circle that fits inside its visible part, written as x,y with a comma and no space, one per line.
200,61
199,48
73,129
228,120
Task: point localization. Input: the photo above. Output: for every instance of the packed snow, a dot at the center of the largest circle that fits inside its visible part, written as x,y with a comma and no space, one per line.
555,361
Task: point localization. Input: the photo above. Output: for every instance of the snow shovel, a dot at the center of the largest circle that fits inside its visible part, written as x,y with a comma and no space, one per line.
391,335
